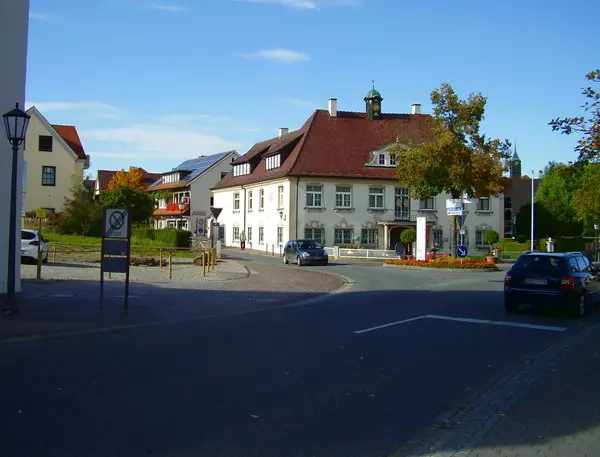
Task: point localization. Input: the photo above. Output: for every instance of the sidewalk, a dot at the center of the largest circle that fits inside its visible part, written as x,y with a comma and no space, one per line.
67,299
559,415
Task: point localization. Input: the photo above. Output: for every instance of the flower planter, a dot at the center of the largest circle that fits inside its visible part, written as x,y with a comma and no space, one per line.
491,259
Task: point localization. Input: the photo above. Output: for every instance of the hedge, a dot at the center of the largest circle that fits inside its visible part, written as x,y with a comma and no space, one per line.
170,236
563,244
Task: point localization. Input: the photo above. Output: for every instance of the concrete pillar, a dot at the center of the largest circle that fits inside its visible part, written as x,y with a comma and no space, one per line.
14,22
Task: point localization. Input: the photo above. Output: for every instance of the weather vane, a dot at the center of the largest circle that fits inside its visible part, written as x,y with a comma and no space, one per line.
373,81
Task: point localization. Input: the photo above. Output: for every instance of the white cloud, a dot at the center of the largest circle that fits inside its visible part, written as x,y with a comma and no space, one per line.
95,109
147,141
161,6
306,4
186,118
279,55
301,102
41,16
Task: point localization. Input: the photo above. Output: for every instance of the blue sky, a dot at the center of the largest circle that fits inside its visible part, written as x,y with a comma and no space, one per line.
152,83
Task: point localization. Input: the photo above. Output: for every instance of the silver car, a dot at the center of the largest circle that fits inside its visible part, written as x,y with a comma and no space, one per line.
31,242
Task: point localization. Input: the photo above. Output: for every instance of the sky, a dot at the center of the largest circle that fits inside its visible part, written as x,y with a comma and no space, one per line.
151,83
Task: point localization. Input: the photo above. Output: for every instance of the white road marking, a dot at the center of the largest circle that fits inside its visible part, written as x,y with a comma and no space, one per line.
391,324
464,319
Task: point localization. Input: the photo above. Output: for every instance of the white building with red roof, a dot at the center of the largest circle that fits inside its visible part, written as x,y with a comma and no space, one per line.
334,180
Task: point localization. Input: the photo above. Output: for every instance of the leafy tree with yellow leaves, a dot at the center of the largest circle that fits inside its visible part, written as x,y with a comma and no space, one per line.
132,179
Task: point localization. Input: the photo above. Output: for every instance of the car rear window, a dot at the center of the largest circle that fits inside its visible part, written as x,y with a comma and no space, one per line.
540,264
27,235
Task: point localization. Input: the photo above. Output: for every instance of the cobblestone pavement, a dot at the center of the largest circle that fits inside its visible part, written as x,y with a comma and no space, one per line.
67,297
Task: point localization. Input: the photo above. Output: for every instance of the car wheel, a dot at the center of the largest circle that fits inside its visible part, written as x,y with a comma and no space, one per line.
579,308
511,306
285,260
326,262
298,261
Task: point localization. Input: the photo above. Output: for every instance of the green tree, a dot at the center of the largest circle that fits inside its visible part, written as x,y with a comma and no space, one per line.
140,202
81,215
491,238
458,159
545,223
586,199
588,146
555,192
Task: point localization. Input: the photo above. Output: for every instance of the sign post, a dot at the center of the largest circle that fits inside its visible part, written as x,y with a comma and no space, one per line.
116,248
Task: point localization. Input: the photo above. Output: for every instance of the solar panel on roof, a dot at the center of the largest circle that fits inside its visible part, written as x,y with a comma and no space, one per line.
156,183
199,165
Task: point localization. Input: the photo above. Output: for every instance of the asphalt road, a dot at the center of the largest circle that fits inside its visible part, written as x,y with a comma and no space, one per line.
353,374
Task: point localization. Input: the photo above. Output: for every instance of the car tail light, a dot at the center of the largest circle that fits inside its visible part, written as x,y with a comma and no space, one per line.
34,243
566,282
507,279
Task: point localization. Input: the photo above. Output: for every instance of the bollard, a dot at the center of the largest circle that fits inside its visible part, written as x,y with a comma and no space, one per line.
170,264
54,253
39,265
160,257
204,258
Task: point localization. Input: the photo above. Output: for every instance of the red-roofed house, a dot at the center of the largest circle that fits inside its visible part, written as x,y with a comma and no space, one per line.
104,177
334,180
54,156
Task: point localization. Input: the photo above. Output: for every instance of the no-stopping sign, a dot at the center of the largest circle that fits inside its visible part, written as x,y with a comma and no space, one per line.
116,223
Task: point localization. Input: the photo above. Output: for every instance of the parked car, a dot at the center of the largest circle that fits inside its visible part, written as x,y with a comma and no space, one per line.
31,241
566,281
304,252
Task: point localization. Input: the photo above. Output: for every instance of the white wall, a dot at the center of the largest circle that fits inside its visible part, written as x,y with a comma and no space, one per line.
328,217
14,17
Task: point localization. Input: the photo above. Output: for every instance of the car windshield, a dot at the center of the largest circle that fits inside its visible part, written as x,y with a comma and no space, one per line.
540,264
308,244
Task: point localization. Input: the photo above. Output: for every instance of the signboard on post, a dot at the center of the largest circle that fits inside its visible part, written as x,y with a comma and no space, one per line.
40,213
461,252
116,248
454,207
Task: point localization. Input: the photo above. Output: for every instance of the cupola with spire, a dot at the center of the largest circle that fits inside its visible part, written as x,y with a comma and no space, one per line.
373,103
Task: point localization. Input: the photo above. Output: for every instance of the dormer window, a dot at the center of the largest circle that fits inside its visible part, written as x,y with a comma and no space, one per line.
171,178
273,162
381,159
241,170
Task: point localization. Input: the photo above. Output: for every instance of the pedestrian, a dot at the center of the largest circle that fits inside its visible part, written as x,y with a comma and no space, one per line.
242,240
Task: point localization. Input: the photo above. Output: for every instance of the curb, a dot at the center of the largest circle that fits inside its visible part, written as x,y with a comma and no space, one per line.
411,267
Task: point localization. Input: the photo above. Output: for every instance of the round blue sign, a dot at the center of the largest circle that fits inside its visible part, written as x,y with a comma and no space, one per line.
461,251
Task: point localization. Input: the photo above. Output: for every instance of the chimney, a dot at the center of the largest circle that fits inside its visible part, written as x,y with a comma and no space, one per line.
333,107
416,108
283,131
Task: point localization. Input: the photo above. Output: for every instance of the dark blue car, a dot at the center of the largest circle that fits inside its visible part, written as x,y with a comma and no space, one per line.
304,252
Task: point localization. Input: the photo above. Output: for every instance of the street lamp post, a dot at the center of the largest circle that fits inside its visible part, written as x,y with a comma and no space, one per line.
15,123
533,207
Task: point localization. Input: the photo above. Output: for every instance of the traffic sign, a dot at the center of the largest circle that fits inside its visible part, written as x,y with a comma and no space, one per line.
116,223
40,213
461,251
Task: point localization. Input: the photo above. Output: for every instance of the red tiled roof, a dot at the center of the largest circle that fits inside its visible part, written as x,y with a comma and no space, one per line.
337,147
105,176
71,137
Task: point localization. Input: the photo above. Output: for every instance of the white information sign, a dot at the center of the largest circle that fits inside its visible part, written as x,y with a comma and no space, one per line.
116,223
421,238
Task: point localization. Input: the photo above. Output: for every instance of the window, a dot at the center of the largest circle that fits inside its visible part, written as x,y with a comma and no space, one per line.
507,202
273,162
236,201
381,159
438,238
223,174
261,234
343,197
316,234
483,204
48,176
376,197
343,236
280,197
236,233
280,235
241,169
479,237
426,203
369,237
212,201
261,199
392,159
45,143
249,230
249,200
314,196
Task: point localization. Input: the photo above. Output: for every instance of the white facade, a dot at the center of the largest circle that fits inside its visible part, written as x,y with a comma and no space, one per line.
14,17
344,212
199,196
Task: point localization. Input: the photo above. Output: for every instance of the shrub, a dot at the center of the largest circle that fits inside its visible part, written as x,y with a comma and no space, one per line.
445,262
491,238
143,233
173,237
408,236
